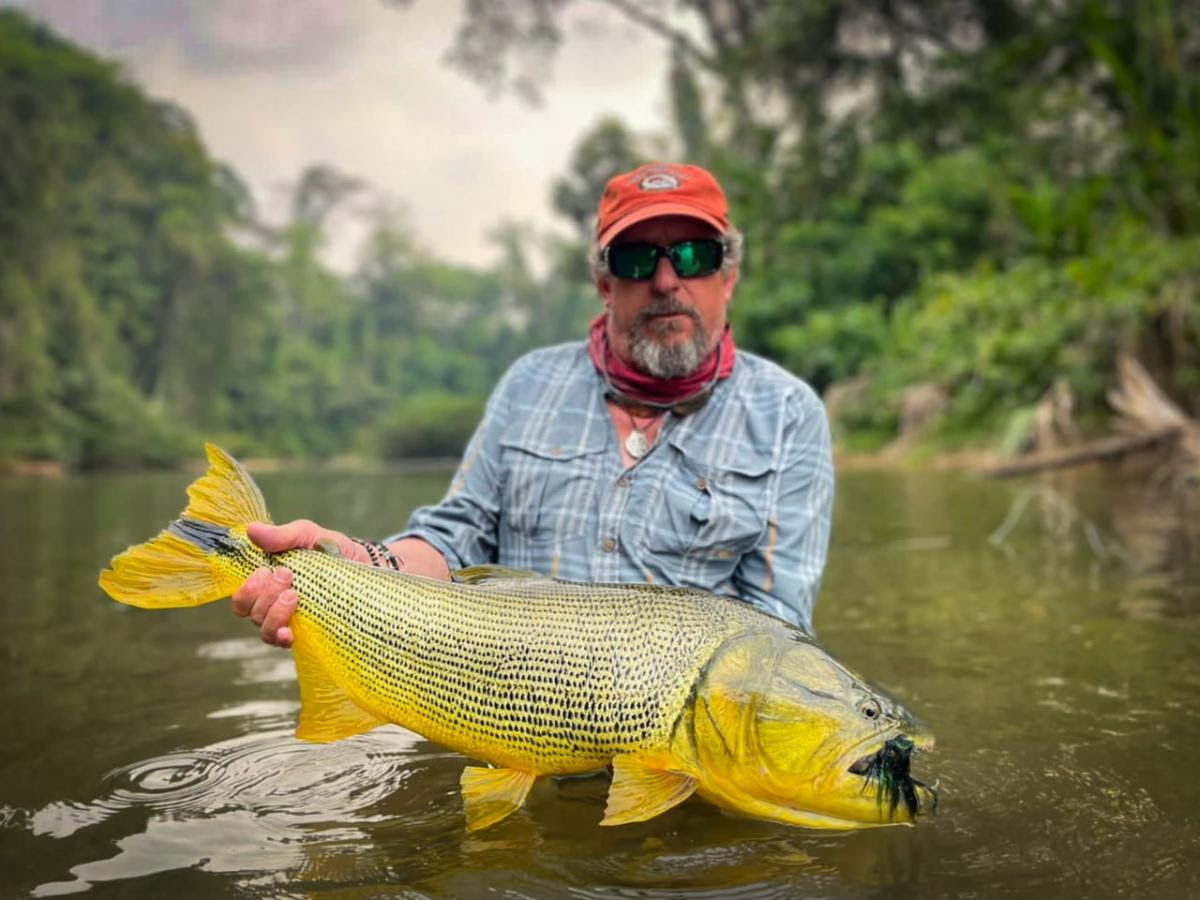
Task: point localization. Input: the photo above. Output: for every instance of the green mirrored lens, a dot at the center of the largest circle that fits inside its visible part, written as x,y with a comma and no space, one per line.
695,258
636,261
691,259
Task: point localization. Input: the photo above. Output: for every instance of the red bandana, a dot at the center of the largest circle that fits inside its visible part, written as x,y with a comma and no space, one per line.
660,392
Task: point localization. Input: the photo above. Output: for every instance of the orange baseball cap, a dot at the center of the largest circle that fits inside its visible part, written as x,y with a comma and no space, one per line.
660,189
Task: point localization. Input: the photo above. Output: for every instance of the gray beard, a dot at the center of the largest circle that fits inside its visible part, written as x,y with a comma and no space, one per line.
672,360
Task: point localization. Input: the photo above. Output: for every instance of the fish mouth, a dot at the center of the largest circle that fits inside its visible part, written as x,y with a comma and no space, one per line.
887,770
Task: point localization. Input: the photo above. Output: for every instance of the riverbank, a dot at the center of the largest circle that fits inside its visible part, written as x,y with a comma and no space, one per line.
42,468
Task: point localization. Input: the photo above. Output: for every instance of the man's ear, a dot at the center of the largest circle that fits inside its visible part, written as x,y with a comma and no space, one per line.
731,278
604,288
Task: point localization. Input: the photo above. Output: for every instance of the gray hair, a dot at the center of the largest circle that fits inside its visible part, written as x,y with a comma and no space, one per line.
733,240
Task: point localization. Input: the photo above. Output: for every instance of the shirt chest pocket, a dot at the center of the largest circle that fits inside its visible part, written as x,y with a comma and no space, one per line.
549,490
711,513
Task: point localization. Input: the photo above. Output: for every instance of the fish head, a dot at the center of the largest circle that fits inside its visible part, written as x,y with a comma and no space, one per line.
782,731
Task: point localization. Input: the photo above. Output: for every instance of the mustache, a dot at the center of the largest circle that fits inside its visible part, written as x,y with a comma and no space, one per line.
666,306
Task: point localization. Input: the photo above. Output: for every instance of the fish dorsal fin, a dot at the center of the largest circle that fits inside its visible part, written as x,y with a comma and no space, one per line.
327,713
644,788
491,794
496,576
329,546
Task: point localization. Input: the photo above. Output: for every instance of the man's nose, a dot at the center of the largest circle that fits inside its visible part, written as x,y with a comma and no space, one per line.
665,278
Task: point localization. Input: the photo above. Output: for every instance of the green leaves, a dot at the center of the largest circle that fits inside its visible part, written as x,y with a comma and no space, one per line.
989,196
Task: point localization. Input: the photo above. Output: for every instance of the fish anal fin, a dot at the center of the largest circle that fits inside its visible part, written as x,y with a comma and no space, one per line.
489,574
491,794
642,788
327,712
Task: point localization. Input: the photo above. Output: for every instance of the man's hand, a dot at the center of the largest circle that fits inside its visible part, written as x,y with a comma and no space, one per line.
267,596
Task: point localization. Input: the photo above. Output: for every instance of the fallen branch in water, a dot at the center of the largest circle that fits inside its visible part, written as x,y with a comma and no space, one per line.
1148,418
1105,449
1144,407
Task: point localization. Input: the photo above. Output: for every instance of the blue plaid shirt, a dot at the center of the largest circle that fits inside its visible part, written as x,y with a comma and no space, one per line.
734,498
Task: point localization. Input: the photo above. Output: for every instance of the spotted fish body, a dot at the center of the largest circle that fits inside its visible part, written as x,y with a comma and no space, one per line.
529,673
532,675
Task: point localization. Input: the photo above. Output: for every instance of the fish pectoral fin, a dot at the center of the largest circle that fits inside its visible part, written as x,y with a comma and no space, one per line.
642,788
327,713
491,794
496,575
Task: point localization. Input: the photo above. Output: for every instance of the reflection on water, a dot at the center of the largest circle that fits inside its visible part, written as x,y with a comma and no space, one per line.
1151,539
251,802
1047,631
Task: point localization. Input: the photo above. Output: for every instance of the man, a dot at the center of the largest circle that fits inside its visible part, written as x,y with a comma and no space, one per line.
653,452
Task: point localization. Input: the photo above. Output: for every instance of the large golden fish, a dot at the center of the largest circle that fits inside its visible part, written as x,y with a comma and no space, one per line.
680,691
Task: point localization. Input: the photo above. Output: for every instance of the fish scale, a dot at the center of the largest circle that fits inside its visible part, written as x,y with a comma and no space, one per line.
550,676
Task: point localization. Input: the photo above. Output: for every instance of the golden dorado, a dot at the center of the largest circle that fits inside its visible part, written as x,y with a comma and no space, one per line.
680,691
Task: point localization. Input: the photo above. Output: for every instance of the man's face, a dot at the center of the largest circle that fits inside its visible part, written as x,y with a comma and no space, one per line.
667,325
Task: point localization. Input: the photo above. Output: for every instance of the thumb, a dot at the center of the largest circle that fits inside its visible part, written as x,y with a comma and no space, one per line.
277,538
304,534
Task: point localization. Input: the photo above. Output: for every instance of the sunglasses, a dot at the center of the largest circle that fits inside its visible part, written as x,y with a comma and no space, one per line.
638,261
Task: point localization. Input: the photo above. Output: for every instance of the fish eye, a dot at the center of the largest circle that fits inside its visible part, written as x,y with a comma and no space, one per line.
870,709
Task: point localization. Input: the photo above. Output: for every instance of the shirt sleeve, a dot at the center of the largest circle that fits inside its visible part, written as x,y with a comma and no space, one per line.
782,574
463,527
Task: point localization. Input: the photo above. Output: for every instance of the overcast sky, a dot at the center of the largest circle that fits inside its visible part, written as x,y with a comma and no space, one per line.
277,84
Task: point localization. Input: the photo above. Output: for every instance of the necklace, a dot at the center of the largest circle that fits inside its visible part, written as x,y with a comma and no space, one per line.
637,443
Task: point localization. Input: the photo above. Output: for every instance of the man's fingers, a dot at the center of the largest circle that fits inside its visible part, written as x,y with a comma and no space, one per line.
277,538
244,596
277,617
268,595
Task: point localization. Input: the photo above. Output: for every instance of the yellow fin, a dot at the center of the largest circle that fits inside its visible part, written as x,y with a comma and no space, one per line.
491,794
328,546
728,716
165,571
175,567
484,575
642,789
327,712
225,494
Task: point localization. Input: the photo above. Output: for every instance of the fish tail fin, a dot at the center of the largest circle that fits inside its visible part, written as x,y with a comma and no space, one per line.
183,564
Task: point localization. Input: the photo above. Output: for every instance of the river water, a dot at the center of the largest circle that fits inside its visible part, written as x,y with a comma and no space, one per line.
1049,632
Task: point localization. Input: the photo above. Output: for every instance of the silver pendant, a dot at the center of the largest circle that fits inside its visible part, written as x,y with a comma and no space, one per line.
636,444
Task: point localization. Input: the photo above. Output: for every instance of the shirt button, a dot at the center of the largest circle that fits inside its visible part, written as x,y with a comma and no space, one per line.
702,484
609,545
623,481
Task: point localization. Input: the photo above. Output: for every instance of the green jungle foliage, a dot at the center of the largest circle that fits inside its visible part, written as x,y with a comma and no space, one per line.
144,308
992,197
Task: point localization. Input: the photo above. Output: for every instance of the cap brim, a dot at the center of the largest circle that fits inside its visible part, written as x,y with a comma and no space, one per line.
654,211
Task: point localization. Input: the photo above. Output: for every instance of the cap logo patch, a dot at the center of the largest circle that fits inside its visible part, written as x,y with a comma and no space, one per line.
659,181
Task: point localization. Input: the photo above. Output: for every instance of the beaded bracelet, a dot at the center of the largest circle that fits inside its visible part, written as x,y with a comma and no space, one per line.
381,555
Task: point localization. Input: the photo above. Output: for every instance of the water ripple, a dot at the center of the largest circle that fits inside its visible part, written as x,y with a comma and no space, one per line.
172,782
265,799
266,772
